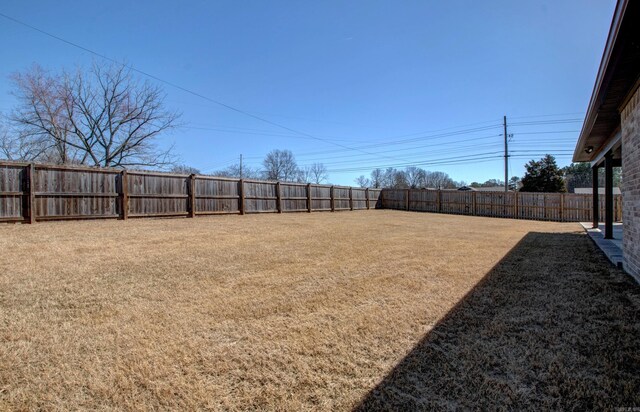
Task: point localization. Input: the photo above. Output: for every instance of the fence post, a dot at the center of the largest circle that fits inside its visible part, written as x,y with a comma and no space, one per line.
439,201
309,197
474,202
516,202
406,205
124,195
278,198
333,200
29,196
562,207
241,196
366,194
350,199
192,195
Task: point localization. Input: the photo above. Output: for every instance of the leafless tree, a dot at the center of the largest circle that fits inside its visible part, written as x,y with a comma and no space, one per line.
316,173
377,177
234,171
185,169
415,177
363,181
280,165
438,180
101,116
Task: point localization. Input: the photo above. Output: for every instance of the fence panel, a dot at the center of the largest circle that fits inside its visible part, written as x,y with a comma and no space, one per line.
394,199
63,193
531,206
456,202
293,197
359,198
341,198
494,204
320,198
152,194
217,195
375,198
260,197
561,207
577,208
12,192
423,200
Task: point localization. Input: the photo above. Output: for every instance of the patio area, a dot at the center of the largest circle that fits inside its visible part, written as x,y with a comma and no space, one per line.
612,248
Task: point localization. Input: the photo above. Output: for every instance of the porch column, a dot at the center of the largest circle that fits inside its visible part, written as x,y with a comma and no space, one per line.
596,198
608,196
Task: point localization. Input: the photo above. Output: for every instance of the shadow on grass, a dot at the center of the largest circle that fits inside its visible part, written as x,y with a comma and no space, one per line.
552,325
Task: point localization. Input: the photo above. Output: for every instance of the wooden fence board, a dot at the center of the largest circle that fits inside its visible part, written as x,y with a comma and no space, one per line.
260,197
12,185
293,197
341,198
71,193
157,194
320,198
215,196
359,198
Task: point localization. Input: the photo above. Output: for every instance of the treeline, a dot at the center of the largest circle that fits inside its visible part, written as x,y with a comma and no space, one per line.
278,165
409,178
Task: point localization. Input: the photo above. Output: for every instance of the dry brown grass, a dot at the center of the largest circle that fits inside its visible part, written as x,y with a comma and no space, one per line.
307,311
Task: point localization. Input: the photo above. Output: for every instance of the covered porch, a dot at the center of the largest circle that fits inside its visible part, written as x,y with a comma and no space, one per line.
611,247
609,136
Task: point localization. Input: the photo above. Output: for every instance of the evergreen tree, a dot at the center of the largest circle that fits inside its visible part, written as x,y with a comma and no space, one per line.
543,176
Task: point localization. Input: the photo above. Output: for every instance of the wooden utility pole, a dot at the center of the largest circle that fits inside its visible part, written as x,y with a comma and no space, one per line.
506,156
241,166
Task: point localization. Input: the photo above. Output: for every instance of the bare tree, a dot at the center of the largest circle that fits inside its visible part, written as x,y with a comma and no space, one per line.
362,181
377,177
234,171
438,180
185,169
280,165
316,173
415,177
101,116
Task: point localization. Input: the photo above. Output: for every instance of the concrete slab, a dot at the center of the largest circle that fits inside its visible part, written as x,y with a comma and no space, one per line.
612,248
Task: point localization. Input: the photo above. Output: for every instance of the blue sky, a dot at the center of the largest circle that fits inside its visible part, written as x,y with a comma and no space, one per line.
369,83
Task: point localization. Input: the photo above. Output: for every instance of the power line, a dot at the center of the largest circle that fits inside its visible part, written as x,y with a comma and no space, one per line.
439,163
184,89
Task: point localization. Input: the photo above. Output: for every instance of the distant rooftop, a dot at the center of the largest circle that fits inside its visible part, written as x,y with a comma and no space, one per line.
588,190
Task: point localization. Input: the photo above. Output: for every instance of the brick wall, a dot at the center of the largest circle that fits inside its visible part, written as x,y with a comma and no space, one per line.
630,117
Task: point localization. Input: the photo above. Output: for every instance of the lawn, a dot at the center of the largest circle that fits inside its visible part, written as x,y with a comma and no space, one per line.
322,311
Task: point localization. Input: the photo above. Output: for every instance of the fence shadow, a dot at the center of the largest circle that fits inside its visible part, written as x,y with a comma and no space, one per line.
551,326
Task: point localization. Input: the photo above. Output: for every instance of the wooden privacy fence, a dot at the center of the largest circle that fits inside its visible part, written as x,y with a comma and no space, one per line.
561,207
32,192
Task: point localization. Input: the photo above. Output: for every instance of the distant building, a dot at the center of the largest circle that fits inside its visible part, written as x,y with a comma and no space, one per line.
589,190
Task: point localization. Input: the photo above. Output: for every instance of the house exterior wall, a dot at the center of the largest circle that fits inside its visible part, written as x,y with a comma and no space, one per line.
630,118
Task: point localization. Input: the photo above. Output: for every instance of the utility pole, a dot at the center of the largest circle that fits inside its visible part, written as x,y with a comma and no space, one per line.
240,165
506,157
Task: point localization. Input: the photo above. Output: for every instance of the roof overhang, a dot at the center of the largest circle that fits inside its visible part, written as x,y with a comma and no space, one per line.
618,77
